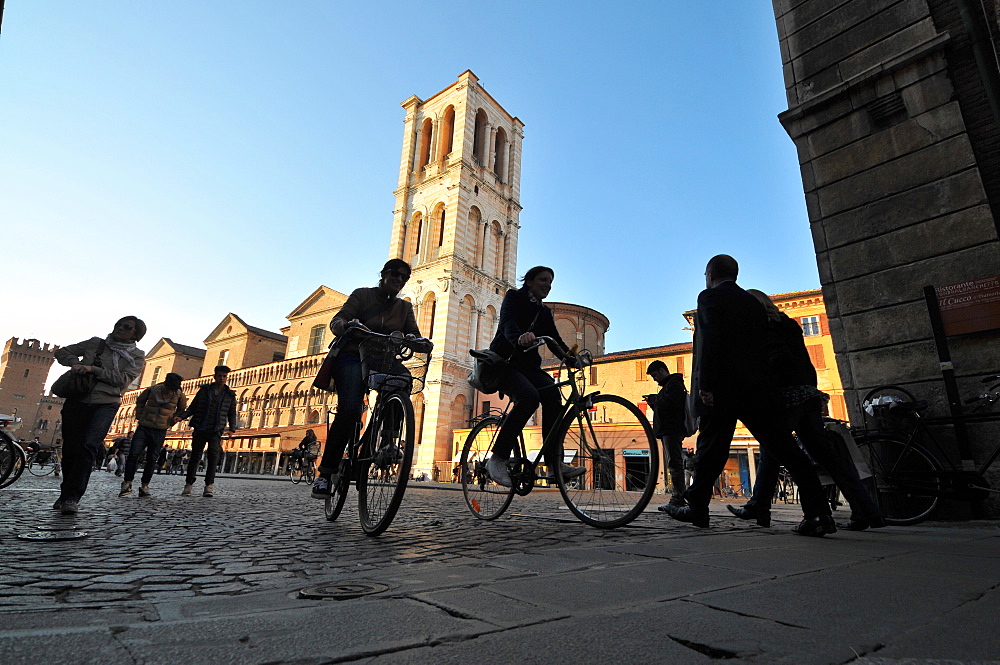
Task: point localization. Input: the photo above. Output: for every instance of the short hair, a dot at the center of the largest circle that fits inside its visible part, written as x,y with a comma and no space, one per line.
173,380
140,325
655,365
221,368
537,270
724,266
398,264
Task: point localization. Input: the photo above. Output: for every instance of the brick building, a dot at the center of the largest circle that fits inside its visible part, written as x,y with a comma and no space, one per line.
24,368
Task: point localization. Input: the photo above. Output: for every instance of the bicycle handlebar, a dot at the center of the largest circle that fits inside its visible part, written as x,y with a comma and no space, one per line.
418,344
583,357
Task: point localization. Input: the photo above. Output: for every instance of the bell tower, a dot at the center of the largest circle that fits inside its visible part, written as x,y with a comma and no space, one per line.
456,222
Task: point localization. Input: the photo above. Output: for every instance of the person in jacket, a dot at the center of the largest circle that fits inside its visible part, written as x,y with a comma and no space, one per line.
523,318
668,424
212,411
730,378
115,362
120,448
156,408
380,310
794,375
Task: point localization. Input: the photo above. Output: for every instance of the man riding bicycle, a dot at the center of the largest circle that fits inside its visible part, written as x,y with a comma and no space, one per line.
380,310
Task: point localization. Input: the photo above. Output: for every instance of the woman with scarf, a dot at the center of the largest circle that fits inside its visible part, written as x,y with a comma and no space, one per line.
115,362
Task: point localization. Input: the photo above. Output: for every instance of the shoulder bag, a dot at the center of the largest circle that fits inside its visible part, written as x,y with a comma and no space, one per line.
78,385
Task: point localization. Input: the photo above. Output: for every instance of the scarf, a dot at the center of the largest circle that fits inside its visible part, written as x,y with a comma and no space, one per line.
121,350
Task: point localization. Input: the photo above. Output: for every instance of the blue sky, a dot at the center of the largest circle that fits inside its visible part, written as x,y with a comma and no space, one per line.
183,160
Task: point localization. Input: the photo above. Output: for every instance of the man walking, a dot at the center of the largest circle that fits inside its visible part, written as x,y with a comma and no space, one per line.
668,425
731,379
156,408
213,407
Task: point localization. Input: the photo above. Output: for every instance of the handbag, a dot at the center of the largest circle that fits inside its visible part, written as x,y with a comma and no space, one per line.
77,385
486,372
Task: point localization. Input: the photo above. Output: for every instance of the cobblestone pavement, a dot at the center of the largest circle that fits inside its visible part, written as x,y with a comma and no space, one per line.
256,534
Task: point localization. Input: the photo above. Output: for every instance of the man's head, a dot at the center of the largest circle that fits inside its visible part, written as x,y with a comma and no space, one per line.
173,381
720,268
657,370
221,373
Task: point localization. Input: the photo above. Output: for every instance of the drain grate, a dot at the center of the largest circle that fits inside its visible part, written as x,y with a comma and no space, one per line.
341,590
54,535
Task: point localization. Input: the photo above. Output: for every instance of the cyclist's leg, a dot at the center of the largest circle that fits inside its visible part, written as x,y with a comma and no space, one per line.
348,378
526,399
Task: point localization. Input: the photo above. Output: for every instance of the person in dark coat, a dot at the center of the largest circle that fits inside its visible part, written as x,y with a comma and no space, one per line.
795,377
668,424
730,378
523,318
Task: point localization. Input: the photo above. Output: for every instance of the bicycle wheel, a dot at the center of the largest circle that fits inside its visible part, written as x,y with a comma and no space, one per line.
612,492
875,407
37,468
309,473
7,457
338,495
295,473
14,462
905,478
486,499
385,467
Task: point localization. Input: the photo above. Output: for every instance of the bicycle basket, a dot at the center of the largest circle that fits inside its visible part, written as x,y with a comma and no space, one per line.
391,366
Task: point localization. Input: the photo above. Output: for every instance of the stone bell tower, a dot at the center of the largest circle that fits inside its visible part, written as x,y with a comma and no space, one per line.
456,223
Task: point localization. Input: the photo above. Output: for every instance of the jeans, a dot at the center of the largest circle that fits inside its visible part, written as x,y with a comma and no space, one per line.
150,440
198,441
673,462
528,388
347,376
84,428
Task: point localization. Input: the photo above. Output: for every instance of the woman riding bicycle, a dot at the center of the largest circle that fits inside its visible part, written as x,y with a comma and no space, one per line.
523,318
380,310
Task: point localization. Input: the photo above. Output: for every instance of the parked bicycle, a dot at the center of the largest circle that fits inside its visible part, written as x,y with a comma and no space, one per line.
911,472
41,461
12,456
378,461
592,427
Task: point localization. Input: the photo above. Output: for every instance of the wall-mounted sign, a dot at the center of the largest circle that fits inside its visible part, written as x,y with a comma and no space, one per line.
971,306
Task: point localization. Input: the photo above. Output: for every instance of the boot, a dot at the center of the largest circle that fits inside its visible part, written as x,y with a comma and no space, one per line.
209,490
144,490
126,488
187,490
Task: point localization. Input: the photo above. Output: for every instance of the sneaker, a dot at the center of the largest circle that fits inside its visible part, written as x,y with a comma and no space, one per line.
187,490
323,487
497,468
144,491
209,491
57,505
69,507
678,500
126,489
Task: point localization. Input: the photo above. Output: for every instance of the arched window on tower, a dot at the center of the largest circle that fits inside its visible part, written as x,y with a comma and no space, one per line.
426,137
440,226
465,339
475,222
448,131
413,236
494,248
428,311
480,137
500,154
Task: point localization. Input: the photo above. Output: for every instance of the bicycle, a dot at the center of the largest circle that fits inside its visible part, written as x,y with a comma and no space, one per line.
40,462
302,468
379,460
591,424
12,456
908,480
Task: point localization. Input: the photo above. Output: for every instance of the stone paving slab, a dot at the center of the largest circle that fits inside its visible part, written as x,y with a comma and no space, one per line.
214,580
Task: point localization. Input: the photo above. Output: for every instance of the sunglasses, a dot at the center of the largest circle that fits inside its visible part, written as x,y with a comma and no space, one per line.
126,326
399,273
